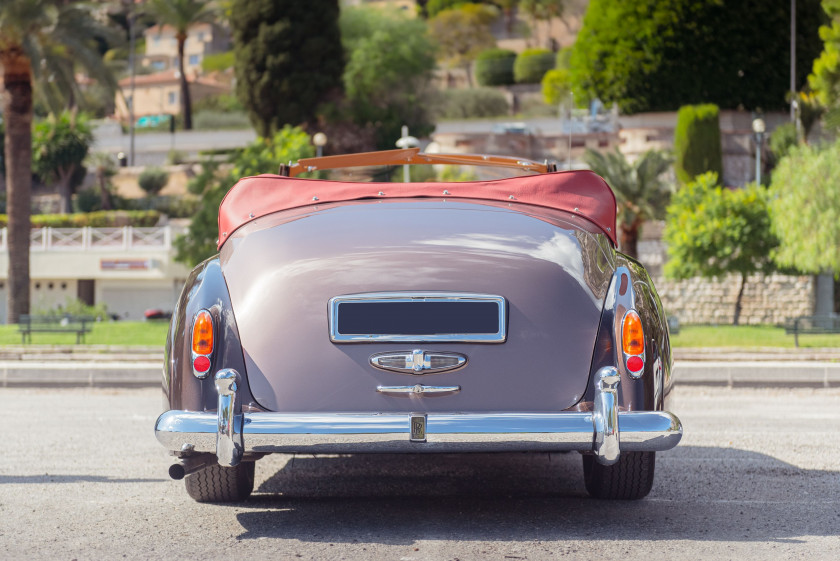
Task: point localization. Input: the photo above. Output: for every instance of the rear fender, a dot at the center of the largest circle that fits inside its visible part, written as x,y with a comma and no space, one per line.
205,289
631,288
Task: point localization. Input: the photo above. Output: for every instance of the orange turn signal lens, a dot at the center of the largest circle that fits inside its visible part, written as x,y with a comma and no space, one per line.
632,334
202,335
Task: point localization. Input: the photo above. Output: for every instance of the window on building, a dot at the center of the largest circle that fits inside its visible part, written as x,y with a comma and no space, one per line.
201,36
173,98
193,60
85,291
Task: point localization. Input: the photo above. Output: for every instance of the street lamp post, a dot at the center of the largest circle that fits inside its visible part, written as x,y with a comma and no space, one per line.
404,142
319,139
758,127
571,108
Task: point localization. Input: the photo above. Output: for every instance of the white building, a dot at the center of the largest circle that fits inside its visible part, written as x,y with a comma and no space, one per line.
129,269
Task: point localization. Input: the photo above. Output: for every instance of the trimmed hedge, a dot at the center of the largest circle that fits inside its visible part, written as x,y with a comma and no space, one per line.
531,65
99,219
494,67
697,142
473,104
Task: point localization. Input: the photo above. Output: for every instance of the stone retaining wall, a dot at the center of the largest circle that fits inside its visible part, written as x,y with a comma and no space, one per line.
768,299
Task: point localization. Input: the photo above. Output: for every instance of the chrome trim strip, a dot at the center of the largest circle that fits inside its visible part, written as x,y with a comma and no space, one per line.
605,416
418,389
347,433
499,337
417,361
229,444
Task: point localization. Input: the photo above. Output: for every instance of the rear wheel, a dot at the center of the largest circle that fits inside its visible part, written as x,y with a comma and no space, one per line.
628,479
217,484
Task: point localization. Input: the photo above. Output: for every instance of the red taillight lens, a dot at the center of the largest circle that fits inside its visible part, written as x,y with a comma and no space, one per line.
201,364
202,338
634,364
632,335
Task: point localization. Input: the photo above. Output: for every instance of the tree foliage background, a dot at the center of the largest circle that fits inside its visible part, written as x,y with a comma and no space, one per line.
806,208
212,184
712,231
641,192
60,144
390,59
825,78
289,59
656,55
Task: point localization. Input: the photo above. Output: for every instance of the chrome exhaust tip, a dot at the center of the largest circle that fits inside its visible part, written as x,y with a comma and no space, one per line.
191,464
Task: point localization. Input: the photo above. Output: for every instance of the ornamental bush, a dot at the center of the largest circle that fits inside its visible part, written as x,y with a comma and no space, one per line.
473,103
152,180
494,67
531,65
697,142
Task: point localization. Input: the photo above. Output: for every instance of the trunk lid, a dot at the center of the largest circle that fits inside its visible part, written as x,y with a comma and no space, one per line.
552,269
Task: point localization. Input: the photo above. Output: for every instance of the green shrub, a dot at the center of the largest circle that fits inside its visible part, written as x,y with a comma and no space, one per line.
531,65
153,179
782,140
218,102
171,206
175,157
494,67
87,200
217,62
697,142
473,103
99,219
555,86
73,307
222,119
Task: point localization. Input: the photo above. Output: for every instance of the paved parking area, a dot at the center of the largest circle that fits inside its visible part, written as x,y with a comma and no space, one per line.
757,476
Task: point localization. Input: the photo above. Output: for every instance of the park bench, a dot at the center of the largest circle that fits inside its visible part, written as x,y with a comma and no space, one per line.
812,325
29,324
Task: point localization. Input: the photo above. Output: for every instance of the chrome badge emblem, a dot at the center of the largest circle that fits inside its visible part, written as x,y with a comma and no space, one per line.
418,427
418,361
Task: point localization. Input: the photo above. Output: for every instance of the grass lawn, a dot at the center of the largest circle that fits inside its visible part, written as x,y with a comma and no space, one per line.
153,333
746,336
144,333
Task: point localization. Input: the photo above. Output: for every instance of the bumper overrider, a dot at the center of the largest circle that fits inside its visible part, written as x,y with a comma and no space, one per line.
605,431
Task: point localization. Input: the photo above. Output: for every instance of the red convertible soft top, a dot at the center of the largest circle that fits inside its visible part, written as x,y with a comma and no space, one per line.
582,193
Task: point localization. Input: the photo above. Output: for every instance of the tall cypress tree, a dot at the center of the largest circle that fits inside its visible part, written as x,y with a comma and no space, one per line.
289,59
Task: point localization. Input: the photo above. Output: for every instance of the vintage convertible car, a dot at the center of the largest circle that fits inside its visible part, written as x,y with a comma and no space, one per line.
350,317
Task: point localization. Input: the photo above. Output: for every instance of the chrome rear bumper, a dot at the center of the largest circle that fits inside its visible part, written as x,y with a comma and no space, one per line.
604,431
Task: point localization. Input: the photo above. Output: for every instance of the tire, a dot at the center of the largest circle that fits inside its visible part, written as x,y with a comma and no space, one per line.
217,484
631,478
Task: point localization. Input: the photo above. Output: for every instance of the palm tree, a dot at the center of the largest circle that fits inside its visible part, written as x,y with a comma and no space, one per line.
38,39
181,14
640,192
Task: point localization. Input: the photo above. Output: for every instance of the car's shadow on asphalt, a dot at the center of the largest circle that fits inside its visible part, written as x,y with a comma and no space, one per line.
699,494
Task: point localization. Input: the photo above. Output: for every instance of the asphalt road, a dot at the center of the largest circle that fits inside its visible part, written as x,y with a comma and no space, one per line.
757,476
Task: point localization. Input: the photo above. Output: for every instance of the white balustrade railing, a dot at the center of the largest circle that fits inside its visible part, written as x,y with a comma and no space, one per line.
126,238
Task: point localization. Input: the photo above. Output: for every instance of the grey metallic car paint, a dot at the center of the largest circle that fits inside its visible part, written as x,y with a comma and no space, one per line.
281,270
207,288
